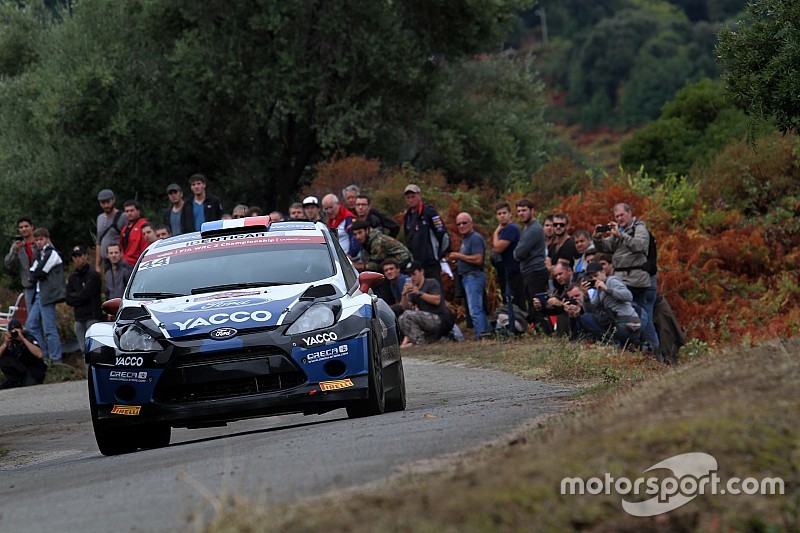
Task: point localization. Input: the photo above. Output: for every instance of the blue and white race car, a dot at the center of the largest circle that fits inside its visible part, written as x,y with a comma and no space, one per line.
241,320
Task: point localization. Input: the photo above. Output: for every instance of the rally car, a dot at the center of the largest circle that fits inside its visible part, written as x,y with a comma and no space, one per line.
240,320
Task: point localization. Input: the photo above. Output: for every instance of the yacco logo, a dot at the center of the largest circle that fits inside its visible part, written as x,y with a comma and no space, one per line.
130,361
692,474
221,334
130,410
328,353
320,338
226,304
222,318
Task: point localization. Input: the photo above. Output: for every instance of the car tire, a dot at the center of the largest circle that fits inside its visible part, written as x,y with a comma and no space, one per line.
153,435
110,440
376,403
396,398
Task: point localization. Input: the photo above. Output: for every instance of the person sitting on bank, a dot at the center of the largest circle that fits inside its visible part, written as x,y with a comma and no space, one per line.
20,358
425,319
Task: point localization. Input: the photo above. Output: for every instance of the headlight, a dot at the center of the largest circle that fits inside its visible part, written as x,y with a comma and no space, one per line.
135,339
316,317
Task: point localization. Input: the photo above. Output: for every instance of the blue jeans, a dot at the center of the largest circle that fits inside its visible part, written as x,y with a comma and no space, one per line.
646,298
474,289
42,325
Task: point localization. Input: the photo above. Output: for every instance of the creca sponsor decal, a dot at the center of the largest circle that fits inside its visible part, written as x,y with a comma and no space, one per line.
130,410
225,295
320,338
328,353
121,375
130,361
335,384
218,319
227,304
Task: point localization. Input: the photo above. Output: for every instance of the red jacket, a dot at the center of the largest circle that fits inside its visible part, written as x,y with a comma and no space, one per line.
132,242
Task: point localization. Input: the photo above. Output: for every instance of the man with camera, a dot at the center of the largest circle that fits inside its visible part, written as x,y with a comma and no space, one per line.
20,358
609,312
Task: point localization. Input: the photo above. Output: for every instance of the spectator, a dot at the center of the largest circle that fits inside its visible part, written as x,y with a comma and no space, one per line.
118,274
391,291
203,207
470,260
240,211
554,304
375,218
132,241
253,211
573,307
340,218
162,232
311,209
296,211
109,225
628,241
83,293
610,309
549,230
48,272
377,247
349,195
425,318
20,358
584,247
226,216
530,252
149,233
562,248
175,216
425,233
276,216
20,257
504,241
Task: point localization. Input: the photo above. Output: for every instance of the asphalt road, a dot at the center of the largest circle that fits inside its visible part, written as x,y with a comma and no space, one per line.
54,479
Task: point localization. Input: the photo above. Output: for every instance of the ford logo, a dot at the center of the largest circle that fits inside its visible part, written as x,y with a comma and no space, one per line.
220,334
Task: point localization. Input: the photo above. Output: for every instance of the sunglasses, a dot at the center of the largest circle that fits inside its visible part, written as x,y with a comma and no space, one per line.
461,223
559,225
237,216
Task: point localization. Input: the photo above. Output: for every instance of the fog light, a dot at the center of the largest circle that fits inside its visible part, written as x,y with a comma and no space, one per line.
335,368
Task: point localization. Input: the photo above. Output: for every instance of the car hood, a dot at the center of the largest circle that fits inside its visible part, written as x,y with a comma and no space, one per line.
240,309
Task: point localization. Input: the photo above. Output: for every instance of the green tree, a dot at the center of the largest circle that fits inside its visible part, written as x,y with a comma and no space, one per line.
760,59
136,94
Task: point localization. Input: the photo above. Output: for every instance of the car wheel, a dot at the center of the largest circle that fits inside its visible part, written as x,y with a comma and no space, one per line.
396,399
376,403
110,440
153,435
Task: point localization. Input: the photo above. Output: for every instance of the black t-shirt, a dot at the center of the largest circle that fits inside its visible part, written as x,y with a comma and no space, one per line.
568,252
18,350
429,286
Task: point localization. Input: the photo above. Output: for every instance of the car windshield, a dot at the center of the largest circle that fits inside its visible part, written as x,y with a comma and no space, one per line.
187,270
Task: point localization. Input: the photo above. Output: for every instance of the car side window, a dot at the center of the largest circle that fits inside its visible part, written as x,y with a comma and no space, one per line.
350,276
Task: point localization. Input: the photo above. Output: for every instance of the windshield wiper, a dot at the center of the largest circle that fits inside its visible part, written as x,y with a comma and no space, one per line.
156,294
247,285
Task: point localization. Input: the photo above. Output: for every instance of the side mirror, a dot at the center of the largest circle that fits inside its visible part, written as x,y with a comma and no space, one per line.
111,307
368,279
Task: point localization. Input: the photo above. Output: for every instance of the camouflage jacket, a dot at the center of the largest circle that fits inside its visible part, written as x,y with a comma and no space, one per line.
380,246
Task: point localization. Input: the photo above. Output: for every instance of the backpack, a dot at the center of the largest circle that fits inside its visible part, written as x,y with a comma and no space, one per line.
650,265
500,319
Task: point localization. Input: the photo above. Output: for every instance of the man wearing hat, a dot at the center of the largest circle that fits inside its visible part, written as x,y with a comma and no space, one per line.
109,223
83,293
425,233
20,358
311,209
175,217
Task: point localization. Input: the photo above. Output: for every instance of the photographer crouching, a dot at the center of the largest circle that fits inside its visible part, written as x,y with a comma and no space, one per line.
20,358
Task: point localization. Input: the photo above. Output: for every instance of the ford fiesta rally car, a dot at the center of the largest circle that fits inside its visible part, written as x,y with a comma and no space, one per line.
243,319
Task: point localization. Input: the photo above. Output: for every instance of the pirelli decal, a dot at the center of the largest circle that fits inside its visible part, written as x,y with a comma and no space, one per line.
130,410
335,384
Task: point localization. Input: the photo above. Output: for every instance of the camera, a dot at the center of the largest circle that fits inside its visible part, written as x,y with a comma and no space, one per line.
14,333
570,301
590,282
602,228
18,238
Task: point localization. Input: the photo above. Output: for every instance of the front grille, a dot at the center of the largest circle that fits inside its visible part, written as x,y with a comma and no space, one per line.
210,358
231,388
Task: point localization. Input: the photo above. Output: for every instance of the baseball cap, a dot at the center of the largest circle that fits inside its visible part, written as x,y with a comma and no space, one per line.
14,324
594,267
105,194
412,188
78,250
311,200
174,187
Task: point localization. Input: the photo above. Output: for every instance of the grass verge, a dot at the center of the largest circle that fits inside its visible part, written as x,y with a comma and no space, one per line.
738,405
